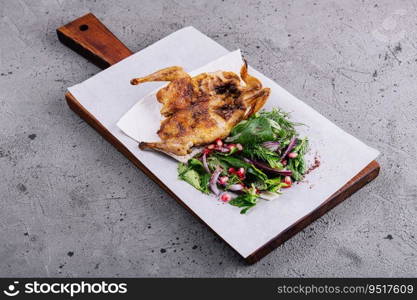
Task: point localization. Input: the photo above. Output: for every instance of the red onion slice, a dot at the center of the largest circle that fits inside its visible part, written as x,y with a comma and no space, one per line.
213,182
291,145
273,146
267,168
205,163
223,149
236,187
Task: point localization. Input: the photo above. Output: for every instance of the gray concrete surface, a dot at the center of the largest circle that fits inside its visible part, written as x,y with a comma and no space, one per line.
71,205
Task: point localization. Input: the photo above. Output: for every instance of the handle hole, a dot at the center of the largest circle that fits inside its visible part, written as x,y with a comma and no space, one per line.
83,27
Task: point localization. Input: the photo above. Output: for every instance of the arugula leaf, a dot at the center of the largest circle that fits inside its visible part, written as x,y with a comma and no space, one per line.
192,177
274,185
204,183
246,200
195,174
182,168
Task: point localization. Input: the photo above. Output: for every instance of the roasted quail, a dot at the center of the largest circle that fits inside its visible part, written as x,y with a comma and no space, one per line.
200,109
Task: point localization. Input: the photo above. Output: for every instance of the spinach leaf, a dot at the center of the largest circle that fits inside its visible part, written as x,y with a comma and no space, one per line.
197,165
254,130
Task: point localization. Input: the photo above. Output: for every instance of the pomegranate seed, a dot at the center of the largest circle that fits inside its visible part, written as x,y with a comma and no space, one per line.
211,146
241,172
219,142
225,197
293,155
239,147
232,170
223,180
287,180
284,162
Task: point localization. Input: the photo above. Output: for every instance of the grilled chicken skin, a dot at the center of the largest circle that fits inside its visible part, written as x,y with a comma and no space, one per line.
200,109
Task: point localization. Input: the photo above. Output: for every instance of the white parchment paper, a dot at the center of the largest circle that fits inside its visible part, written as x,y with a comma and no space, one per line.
109,96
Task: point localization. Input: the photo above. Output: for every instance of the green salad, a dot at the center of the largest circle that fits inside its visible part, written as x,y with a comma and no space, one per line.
262,155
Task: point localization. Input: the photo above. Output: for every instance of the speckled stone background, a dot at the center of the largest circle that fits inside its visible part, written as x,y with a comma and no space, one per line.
71,205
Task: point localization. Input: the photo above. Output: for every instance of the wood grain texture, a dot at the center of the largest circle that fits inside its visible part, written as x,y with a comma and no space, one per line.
369,173
90,38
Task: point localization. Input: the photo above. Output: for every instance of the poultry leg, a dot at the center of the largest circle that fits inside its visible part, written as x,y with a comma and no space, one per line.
167,74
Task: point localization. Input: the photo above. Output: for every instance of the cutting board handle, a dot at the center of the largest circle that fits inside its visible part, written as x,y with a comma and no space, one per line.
90,38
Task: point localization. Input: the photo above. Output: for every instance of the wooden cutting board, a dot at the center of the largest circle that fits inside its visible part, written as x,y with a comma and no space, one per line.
90,38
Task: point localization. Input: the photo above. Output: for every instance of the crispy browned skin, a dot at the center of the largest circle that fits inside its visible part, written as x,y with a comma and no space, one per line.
200,109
